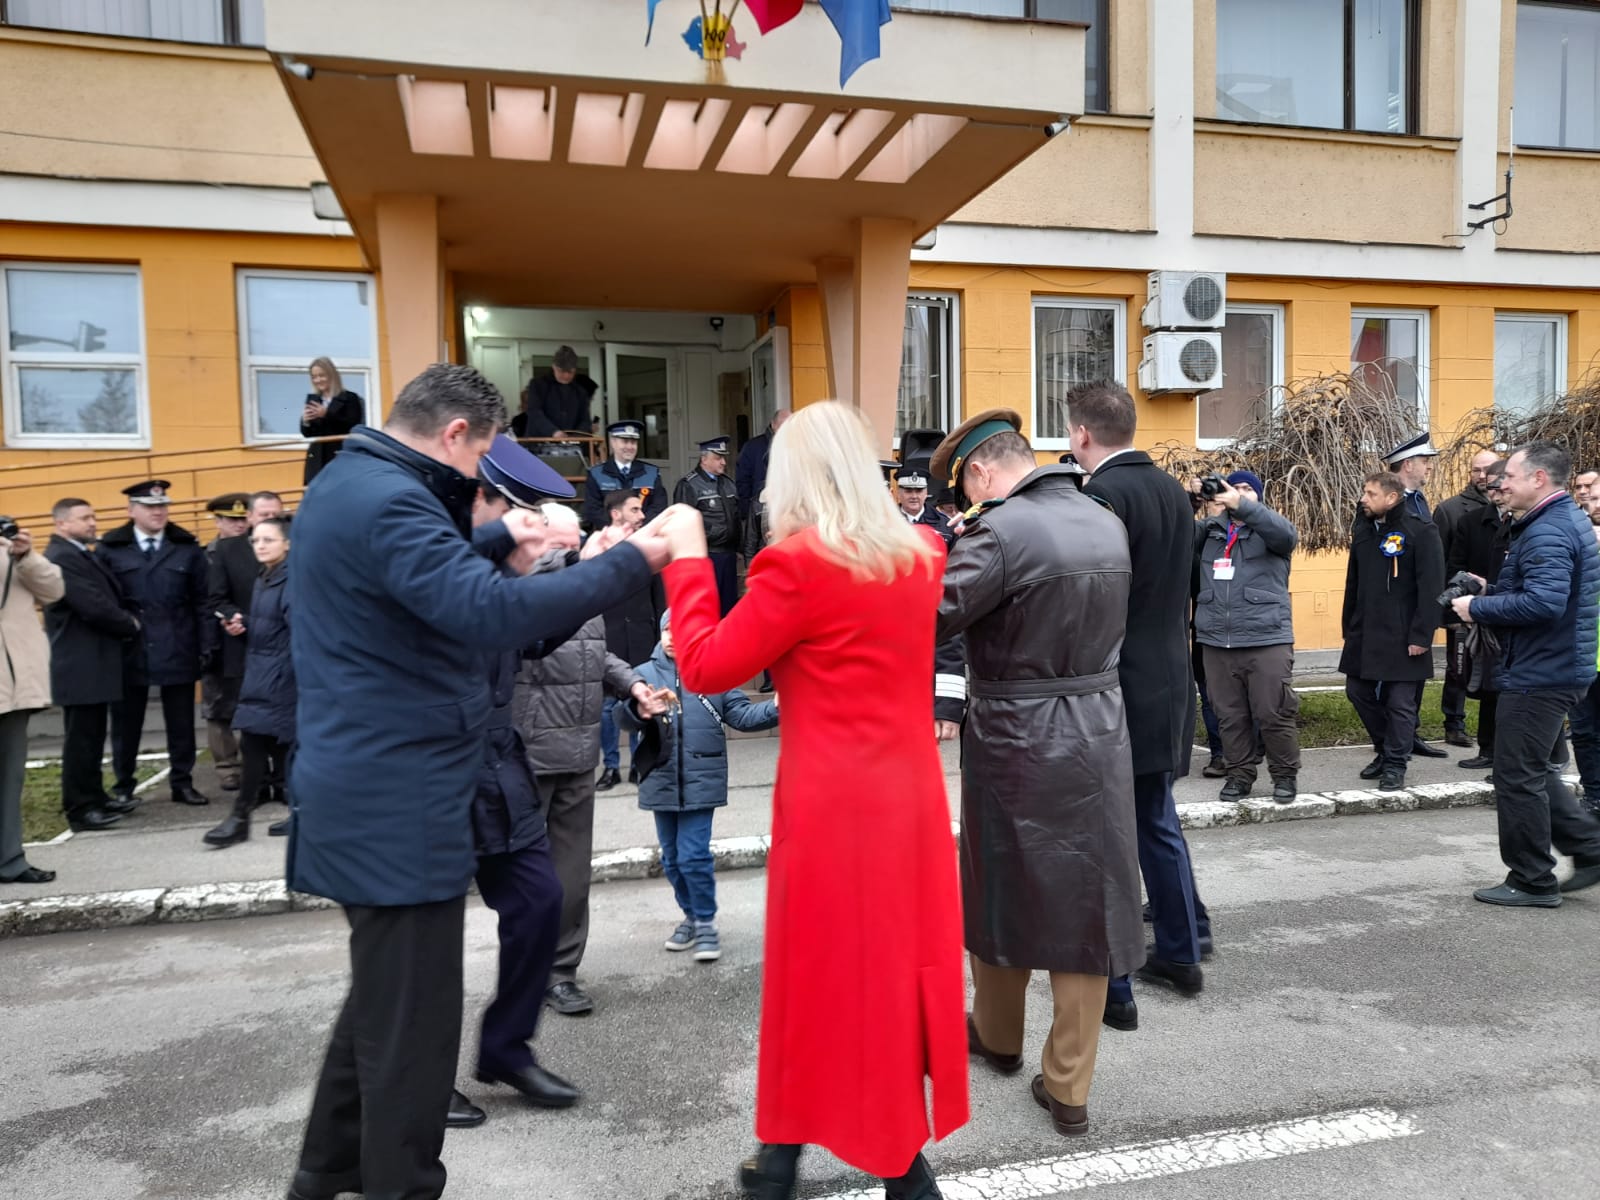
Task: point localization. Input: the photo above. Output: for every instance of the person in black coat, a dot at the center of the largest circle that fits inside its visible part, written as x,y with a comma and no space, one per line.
1479,544
1392,582
558,403
221,672
708,489
1157,678
330,412
265,714
162,571
631,636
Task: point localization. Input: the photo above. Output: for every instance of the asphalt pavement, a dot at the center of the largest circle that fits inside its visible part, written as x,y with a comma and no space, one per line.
1367,1031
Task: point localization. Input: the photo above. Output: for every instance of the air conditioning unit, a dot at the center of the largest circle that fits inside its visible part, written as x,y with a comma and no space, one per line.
1181,362
1186,300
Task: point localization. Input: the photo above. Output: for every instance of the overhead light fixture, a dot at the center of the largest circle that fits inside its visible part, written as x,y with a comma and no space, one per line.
325,204
297,68
480,314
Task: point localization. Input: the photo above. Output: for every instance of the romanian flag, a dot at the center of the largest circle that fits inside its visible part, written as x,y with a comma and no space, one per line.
858,23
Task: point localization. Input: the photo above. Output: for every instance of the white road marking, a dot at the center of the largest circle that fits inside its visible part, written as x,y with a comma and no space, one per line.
1174,1156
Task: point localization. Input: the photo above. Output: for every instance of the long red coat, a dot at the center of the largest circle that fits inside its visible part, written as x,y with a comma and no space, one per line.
862,991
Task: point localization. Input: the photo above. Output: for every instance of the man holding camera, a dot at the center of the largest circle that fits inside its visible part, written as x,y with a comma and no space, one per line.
1454,517
1545,609
1245,628
1394,576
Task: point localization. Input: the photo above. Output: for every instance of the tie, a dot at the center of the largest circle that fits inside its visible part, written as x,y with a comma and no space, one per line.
149,547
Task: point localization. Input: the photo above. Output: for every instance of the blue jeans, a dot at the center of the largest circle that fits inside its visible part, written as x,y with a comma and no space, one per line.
1180,920
685,839
610,736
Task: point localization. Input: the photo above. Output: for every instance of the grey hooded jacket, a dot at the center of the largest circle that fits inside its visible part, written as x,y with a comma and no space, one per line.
1252,608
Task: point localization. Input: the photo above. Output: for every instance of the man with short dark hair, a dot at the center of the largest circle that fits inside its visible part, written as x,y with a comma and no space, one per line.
265,506
91,629
1393,577
556,404
1157,679
1545,608
398,616
1453,517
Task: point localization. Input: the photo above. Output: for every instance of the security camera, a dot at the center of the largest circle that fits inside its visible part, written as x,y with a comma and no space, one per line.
1055,127
716,322
298,69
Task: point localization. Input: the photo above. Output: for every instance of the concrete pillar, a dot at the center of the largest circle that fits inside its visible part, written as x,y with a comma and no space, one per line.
863,320
411,276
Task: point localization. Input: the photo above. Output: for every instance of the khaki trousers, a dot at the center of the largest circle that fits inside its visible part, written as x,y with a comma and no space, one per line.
999,1004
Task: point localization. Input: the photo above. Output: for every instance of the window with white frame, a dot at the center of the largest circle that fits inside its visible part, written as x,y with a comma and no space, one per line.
1558,76
288,318
1075,341
928,366
1389,353
72,365
1530,359
1252,368
217,22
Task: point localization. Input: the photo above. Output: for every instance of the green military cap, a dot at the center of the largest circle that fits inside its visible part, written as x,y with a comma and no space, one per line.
967,437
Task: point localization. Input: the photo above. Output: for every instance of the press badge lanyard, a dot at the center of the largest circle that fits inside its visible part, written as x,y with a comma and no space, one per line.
1223,567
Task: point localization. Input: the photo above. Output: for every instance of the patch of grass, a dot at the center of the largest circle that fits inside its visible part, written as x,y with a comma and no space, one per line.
1327,719
42,817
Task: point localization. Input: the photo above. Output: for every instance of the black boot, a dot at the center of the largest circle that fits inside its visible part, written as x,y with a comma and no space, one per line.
770,1174
235,827
609,778
916,1184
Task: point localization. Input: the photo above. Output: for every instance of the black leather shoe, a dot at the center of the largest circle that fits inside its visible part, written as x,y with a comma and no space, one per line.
770,1173
463,1113
279,828
31,874
916,1184
1284,790
1457,737
1582,877
1184,978
609,778
1070,1120
233,830
1373,769
228,783
568,999
1421,749
1006,1064
121,803
1478,762
1207,948
633,774
1392,781
1215,769
91,819
1123,1016
185,793
539,1087
308,1186
1236,789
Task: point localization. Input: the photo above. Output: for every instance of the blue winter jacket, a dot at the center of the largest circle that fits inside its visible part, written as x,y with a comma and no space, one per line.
693,772
1544,604
394,617
267,692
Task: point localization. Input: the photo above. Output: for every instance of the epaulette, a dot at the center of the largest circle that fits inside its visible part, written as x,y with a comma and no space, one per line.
977,510
1102,502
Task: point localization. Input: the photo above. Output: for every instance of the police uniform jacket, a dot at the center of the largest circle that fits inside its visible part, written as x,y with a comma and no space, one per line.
933,519
718,501
267,695
1392,582
1049,864
394,615
231,574
608,477
90,628
168,592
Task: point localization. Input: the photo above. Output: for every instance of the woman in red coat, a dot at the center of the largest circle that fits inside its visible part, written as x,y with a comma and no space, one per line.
862,995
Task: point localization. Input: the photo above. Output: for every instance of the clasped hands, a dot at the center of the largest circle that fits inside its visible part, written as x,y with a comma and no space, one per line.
676,533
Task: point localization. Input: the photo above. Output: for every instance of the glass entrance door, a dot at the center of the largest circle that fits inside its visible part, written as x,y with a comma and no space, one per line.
642,384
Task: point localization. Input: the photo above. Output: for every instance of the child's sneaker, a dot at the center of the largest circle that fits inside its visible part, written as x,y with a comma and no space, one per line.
682,937
707,945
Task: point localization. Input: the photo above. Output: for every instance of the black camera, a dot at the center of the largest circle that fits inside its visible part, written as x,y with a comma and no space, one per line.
1212,486
8,528
1462,583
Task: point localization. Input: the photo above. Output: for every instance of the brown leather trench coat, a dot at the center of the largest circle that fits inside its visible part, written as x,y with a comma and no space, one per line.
1049,859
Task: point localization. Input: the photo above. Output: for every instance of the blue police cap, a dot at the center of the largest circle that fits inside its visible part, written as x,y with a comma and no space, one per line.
716,445
626,429
520,476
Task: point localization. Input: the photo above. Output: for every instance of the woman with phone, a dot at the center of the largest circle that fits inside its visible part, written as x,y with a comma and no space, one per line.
330,411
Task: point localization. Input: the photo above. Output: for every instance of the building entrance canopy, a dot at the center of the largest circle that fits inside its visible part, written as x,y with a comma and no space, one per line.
551,157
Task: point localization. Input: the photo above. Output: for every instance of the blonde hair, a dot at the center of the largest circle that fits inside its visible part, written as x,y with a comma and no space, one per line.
824,475
333,375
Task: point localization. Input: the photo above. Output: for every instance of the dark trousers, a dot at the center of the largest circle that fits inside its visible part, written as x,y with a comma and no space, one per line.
567,799
686,861
1389,711
1256,708
1533,806
524,892
219,697
127,725
377,1120
1585,717
13,774
83,745
1208,717
257,754
1453,700
611,736
1179,919
725,563
1488,708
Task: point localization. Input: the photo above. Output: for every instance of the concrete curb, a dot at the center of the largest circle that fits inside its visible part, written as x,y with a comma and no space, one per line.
269,897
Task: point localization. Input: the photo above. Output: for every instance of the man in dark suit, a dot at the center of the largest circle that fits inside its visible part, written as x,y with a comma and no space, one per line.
162,571
90,629
1157,679
750,475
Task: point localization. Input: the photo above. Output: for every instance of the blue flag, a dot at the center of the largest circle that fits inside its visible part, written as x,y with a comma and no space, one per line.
651,27
858,23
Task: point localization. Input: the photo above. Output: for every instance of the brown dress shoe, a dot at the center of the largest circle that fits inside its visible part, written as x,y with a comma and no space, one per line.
1006,1064
1070,1120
